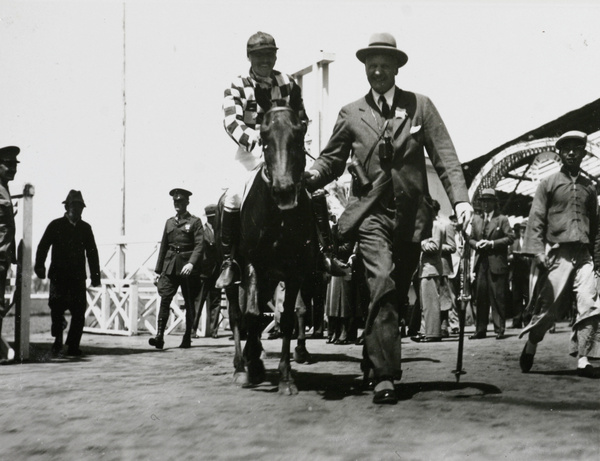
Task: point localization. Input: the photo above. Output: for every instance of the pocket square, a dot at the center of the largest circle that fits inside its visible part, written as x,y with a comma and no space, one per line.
415,129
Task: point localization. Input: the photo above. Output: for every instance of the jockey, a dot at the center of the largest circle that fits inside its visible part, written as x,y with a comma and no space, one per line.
246,101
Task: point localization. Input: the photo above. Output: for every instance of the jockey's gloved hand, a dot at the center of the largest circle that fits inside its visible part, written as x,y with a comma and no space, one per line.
311,179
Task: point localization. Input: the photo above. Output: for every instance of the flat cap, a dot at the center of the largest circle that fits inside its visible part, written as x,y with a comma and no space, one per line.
488,194
573,135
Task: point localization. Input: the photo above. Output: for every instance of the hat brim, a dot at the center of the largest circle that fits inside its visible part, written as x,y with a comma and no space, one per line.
400,56
561,142
262,48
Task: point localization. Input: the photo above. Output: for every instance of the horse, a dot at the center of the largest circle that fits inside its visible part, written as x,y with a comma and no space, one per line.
278,242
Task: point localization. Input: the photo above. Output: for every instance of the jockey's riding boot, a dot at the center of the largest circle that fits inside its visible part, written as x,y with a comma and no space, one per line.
230,229
159,340
332,265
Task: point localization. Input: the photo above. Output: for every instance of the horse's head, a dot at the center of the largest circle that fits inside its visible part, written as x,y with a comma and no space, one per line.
282,136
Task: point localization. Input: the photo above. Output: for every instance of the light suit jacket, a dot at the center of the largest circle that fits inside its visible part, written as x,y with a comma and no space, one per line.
416,125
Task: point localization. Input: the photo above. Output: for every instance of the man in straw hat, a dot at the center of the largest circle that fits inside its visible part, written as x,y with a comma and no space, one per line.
386,133
564,217
72,240
491,236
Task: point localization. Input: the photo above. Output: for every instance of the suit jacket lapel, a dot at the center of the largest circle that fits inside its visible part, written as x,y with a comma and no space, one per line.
400,108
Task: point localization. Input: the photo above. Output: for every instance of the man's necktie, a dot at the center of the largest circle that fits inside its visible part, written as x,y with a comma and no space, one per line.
486,222
385,109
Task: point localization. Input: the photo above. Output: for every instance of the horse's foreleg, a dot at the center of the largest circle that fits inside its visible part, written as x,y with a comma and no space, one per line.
235,320
301,354
286,381
252,316
253,350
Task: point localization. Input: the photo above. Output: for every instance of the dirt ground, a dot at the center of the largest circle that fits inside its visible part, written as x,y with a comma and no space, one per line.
124,400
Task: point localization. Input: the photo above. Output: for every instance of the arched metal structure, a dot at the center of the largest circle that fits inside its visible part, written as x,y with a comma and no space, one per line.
515,168
516,171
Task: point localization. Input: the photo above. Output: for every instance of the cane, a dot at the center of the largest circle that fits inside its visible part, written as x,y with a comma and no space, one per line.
464,298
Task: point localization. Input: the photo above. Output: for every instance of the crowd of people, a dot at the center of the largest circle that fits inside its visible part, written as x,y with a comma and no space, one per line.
391,234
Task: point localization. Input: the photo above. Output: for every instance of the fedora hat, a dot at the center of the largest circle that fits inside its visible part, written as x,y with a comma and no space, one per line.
573,135
382,43
74,196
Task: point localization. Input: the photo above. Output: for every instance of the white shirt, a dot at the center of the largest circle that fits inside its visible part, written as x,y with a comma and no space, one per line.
388,95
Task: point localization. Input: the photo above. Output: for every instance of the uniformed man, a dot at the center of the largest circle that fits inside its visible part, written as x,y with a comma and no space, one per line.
8,169
178,265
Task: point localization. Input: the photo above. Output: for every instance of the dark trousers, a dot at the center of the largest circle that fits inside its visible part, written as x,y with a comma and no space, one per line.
68,295
389,267
491,290
167,289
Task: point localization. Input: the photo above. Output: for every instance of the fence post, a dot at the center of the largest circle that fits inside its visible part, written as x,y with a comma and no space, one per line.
23,307
133,308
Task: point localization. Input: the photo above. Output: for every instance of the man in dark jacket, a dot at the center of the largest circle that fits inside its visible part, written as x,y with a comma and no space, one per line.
72,240
564,218
491,235
178,265
386,133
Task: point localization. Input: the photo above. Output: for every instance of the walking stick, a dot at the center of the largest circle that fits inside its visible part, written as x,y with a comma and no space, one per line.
464,298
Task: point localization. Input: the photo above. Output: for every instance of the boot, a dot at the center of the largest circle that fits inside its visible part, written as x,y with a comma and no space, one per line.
57,346
230,229
159,340
321,213
186,342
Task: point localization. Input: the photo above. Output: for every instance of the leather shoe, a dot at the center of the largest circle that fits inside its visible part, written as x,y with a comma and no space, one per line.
500,336
186,343
478,336
526,360
368,383
425,339
587,372
385,396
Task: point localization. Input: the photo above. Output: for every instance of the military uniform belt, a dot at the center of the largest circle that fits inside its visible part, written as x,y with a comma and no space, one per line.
181,248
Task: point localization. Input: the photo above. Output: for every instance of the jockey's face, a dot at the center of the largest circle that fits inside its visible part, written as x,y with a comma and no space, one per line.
263,62
381,71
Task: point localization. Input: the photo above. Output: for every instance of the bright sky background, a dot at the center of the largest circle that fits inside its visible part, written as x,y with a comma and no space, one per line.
494,70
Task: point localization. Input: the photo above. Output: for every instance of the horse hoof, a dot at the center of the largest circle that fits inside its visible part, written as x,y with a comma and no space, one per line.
240,378
256,373
287,388
301,355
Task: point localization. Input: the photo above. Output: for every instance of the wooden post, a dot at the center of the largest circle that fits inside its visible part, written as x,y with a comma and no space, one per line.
23,307
133,308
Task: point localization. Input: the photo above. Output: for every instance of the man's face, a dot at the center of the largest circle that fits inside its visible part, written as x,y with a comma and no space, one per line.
180,203
488,205
381,72
74,211
572,153
8,170
262,62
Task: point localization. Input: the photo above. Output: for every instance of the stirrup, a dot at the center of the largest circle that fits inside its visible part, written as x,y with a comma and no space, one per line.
230,271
